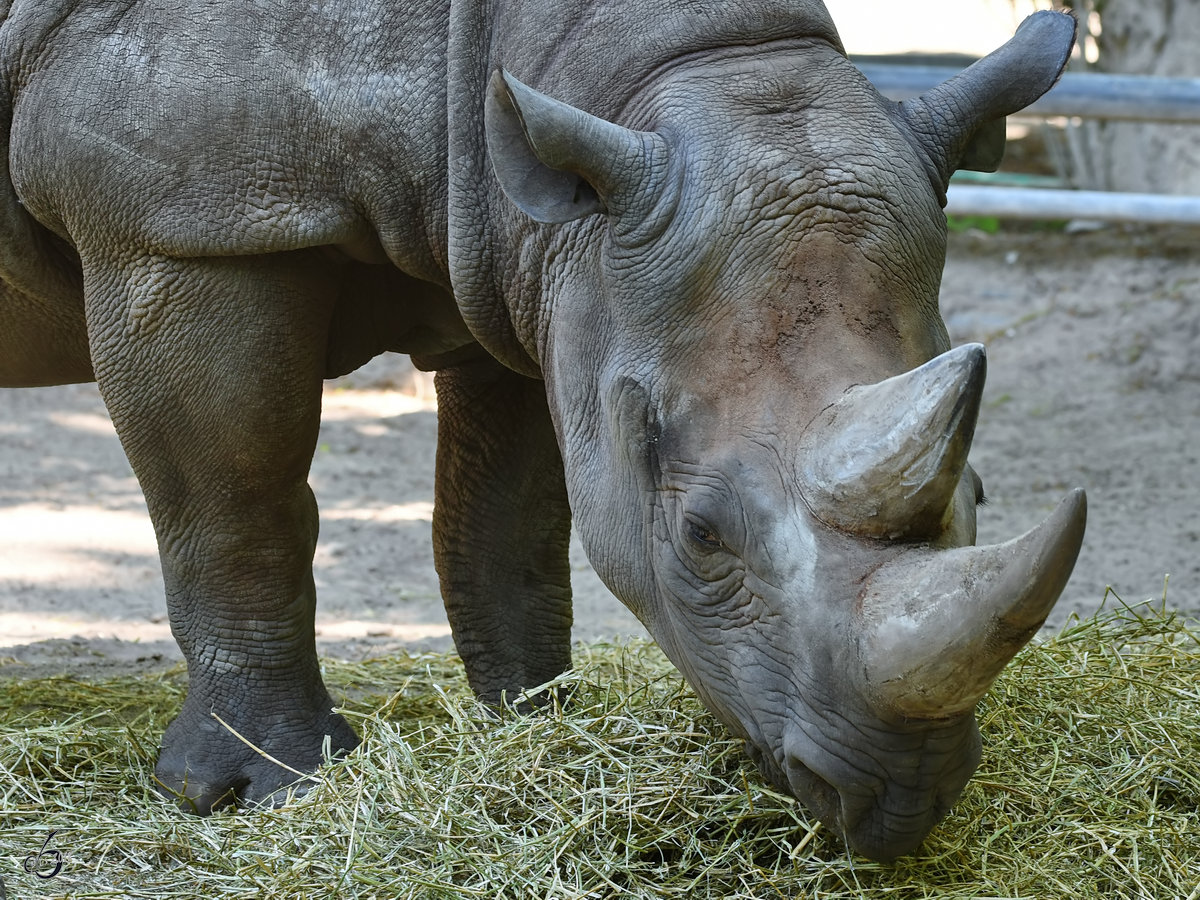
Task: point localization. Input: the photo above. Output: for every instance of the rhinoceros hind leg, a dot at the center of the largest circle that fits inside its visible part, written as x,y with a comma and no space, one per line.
501,529
42,341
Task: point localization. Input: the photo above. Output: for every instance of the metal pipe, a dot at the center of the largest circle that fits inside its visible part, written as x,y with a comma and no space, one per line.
1041,203
1137,98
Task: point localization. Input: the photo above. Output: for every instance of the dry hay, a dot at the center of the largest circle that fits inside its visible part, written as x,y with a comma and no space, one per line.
1088,788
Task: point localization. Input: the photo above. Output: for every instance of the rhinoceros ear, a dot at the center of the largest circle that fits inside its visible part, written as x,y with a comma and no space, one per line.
960,123
558,163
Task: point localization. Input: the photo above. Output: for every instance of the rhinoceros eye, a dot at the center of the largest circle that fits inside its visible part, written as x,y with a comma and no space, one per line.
704,537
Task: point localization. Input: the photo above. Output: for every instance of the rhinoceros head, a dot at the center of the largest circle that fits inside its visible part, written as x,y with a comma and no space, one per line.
764,431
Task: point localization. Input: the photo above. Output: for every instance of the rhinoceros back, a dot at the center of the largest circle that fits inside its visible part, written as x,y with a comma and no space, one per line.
192,129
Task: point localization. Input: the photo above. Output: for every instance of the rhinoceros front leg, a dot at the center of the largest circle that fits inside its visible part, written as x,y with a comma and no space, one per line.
501,529
212,370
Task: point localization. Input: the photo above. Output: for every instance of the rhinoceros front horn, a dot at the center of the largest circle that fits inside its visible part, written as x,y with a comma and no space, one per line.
935,627
886,459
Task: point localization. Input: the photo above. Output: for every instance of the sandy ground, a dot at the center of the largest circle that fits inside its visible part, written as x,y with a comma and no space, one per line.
1094,380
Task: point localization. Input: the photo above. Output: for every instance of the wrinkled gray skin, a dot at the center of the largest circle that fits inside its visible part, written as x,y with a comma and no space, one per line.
681,307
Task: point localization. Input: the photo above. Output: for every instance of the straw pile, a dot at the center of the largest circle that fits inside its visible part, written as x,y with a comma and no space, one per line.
1089,788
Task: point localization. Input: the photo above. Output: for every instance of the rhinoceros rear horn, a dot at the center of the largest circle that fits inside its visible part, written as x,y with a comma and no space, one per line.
886,460
558,163
960,123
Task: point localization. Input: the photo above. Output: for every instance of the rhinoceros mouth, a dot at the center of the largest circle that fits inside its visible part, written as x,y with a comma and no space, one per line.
868,824
862,825
876,818
817,795
877,830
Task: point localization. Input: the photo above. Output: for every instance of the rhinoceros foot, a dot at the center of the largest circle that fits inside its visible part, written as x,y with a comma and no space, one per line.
204,766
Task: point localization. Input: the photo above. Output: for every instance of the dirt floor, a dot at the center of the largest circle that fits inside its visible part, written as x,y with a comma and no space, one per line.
1094,380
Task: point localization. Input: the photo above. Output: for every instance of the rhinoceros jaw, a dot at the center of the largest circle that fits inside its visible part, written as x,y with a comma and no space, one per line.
937,626
885,460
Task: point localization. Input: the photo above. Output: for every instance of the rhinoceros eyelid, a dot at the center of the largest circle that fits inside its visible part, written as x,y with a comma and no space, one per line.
980,498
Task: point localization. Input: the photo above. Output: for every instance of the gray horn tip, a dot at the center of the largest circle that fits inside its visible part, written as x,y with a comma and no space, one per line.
964,365
1059,539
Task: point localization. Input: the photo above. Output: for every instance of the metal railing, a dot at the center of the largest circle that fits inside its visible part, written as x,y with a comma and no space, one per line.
1137,98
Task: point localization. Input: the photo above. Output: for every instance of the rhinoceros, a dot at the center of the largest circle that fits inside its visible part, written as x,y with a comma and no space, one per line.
676,268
